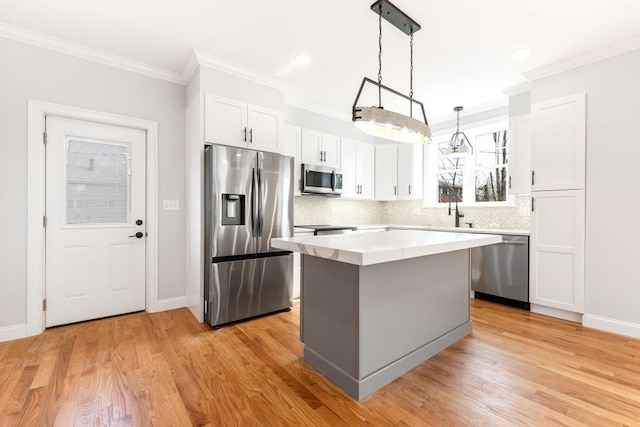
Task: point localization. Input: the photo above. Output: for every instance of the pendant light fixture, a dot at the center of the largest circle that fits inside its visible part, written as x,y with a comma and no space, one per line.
459,144
383,123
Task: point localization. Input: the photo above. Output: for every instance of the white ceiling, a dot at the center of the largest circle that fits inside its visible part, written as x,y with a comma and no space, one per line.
462,53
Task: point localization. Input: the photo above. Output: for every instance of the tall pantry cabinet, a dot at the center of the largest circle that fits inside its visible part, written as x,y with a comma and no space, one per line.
558,145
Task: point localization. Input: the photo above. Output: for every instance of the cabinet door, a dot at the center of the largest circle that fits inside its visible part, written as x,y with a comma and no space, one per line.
265,129
291,147
225,121
365,170
410,158
557,249
520,154
331,149
349,166
311,146
386,172
558,143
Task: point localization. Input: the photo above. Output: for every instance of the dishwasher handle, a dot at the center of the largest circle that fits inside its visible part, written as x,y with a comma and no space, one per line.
511,240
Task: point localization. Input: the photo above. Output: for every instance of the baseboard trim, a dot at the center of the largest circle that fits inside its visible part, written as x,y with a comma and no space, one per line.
13,332
611,325
556,312
172,303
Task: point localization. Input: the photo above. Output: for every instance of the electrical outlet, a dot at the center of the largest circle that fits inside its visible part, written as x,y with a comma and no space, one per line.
170,205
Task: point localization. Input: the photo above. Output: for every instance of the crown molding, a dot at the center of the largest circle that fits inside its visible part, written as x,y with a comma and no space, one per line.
189,67
584,59
229,67
52,43
517,89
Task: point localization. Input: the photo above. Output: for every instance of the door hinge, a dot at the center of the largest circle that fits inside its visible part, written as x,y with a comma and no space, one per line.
44,221
44,305
44,138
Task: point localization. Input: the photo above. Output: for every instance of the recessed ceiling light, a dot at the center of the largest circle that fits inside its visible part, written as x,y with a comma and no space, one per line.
301,59
523,53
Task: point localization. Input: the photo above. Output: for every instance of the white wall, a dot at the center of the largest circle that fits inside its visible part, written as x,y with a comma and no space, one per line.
612,288
31,72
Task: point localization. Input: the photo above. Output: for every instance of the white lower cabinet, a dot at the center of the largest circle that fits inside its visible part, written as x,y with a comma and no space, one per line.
557,250
357,169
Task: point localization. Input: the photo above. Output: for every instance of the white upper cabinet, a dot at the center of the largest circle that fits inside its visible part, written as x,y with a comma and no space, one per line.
410,160
291,147
520,154
398,171
320,148
237,123
365,170
386,172
558,143
357,169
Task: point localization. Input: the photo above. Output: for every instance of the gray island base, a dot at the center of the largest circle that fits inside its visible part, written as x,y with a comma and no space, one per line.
364,326
374,305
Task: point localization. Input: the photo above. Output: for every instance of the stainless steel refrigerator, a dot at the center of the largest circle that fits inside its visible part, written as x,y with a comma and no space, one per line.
248,201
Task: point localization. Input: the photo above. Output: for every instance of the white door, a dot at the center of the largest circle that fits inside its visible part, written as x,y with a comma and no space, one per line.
95,206
331,150
311,147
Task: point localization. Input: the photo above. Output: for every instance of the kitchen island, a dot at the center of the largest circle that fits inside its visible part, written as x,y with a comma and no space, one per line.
376,304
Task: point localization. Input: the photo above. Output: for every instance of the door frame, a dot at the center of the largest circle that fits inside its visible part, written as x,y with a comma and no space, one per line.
37,110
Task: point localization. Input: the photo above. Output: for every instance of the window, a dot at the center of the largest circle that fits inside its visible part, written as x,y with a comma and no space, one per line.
480,178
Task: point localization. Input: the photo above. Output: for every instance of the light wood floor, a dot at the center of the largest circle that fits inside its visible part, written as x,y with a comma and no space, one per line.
165,369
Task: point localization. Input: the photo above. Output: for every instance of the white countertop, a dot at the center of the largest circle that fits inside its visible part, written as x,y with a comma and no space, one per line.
366,248
378,227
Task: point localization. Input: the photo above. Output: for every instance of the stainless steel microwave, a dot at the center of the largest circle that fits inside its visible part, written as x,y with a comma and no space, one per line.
321,180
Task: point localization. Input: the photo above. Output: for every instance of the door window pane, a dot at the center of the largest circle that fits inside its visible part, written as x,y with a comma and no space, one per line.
98,182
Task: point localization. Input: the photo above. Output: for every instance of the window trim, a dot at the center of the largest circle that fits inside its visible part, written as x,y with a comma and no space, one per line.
431,170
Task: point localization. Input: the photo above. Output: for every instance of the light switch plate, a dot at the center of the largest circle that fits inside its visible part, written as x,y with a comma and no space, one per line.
170,205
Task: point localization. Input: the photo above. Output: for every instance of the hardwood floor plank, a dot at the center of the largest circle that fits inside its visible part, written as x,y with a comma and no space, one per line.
515,369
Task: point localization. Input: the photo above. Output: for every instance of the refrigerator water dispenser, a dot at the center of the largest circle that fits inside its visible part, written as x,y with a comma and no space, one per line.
233,209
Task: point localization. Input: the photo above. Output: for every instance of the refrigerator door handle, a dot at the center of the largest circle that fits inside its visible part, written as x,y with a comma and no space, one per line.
254,204
260,202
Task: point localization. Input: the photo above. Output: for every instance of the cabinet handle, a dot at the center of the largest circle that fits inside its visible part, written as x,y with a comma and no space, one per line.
509,181
321,156
533,177
409,188
325,156
533,204
395,190
251,135
359,189
245,134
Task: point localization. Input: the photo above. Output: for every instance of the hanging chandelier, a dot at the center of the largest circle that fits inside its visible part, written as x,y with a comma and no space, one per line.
383,123
459,144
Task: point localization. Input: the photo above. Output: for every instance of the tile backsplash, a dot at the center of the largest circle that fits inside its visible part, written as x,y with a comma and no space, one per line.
325,210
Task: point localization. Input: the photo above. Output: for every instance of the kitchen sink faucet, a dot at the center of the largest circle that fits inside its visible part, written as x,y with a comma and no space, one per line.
457,213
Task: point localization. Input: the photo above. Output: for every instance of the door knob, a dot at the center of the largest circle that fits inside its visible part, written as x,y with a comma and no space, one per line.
139,222
139,235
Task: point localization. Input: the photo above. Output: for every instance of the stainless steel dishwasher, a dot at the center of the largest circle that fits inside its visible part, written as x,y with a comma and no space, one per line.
500,272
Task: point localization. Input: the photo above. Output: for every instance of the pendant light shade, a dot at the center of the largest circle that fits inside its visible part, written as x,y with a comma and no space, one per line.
459,144
387,124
